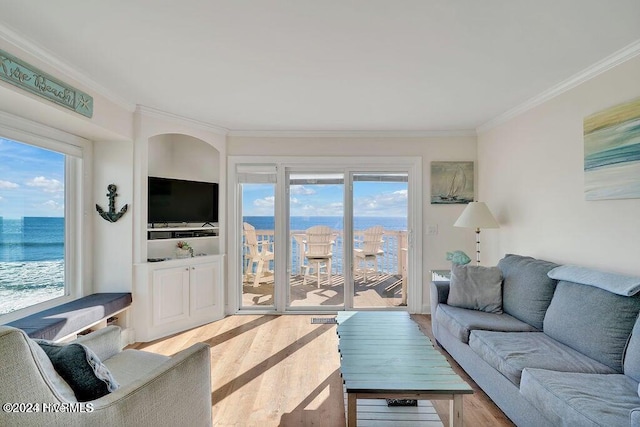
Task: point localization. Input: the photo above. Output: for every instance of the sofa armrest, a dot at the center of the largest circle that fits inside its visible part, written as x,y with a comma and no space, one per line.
635,417
439,294
176,393
104,342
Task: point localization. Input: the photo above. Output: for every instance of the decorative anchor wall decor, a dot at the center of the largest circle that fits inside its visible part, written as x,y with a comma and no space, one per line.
112,216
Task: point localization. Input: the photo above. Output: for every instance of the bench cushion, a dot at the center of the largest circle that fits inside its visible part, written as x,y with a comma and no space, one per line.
461,321
576,399
57,322
511,352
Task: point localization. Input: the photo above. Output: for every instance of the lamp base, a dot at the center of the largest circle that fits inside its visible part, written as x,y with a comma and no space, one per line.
477,246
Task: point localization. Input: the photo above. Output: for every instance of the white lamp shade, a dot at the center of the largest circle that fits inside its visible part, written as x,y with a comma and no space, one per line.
476,215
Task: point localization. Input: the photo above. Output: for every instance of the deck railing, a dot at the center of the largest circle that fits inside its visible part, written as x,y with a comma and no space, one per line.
390,262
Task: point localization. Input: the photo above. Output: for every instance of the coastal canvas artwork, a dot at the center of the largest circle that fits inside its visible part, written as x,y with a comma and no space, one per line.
612,153
451,182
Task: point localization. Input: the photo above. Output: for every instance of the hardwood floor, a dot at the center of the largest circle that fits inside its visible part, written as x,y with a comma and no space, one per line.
284,371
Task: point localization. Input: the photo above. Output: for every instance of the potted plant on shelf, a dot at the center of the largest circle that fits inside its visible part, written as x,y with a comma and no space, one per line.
183,250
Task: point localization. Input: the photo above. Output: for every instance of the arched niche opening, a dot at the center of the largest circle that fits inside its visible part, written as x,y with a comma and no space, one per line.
180,156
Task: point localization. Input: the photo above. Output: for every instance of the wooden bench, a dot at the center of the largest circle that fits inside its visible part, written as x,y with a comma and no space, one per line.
65,321
385,355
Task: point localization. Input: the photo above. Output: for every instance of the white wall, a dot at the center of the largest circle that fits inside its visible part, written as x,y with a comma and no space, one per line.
113,242
183,157
461,148
531,176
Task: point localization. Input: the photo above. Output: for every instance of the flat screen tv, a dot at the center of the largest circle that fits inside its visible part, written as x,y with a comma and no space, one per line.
177,200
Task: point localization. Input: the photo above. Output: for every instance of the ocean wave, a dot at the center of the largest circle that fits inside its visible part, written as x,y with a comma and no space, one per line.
23,284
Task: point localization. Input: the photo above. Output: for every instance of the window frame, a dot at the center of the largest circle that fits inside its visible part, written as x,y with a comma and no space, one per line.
78,184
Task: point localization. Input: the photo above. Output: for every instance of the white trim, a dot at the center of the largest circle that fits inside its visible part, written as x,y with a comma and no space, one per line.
27,131
163,115
351,134
46,56
617,58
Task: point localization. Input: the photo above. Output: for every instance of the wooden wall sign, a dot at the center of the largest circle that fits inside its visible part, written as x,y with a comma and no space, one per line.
29,78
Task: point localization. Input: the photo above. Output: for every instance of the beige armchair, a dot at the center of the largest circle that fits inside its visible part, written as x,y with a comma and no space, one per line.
155,390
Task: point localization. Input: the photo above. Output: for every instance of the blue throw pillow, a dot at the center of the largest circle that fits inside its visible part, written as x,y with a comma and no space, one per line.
87,376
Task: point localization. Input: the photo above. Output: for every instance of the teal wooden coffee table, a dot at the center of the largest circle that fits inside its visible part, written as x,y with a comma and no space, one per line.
385,356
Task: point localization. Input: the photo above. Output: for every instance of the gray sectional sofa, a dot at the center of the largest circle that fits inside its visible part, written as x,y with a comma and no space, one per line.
562,350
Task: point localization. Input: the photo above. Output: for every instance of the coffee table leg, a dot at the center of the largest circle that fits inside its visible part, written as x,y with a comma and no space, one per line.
455,411
352,410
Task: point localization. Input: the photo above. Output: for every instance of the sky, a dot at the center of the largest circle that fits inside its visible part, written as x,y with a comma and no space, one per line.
31,181
374,199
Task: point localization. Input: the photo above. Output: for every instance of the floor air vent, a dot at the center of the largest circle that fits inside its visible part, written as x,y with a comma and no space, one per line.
324,320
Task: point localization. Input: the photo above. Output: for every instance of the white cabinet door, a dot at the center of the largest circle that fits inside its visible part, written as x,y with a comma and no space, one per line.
204,279
170,295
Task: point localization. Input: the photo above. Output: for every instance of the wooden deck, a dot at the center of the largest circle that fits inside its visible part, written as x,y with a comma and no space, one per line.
384,291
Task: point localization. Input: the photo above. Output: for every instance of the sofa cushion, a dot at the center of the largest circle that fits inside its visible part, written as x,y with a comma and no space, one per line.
81,369
632,354
595,322
476,287
526,288
131,365
511,352
577,399
460,322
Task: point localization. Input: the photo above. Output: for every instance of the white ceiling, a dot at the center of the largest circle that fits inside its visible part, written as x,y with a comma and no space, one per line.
328,65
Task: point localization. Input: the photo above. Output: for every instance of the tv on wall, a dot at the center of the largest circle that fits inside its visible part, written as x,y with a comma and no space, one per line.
176,200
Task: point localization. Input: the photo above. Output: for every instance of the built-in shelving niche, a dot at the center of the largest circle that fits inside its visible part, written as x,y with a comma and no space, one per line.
182,157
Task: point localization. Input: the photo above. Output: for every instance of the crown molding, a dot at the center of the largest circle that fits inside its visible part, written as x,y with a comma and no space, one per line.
350,134
163,115
31,48
625,54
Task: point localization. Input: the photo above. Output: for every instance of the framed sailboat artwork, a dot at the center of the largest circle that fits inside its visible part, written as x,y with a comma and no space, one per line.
451,183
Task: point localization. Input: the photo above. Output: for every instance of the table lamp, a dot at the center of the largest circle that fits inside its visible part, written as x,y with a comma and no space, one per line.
476,215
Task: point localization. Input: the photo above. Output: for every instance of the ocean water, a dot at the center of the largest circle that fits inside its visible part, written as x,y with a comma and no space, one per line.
31,261
300,223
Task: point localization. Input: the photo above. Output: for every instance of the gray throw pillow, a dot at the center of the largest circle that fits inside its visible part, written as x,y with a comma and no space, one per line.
476,288
87,376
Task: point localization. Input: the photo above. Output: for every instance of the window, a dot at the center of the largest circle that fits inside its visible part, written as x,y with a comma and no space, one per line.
38,197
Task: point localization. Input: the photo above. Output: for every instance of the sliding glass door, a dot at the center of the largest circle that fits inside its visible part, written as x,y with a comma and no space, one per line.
380,239
316,224
257,196
316,236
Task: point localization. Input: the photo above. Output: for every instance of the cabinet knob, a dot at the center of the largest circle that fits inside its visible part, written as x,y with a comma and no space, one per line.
186,269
